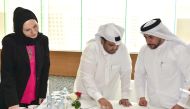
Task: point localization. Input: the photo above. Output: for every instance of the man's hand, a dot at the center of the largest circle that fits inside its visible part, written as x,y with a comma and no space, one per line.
142,101
105,104
14,107
125,102
177,107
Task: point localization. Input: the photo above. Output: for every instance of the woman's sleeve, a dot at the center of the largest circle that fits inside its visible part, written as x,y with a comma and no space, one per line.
45,70
7,72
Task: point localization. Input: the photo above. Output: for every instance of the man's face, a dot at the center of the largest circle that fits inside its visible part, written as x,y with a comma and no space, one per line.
109,47
152,41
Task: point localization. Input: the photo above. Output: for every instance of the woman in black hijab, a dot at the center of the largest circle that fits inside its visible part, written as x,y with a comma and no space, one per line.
25,63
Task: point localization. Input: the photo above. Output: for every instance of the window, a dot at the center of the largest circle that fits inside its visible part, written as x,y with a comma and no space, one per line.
141,11
64,25
70,24
99,12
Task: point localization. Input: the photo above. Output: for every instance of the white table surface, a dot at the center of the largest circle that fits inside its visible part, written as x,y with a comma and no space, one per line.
114,104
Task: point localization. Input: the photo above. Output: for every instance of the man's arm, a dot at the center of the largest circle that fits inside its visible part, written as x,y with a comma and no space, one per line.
125,76
140,79
87,70
183,54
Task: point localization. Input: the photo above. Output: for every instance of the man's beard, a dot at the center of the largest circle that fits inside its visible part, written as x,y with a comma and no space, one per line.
154,46
110,51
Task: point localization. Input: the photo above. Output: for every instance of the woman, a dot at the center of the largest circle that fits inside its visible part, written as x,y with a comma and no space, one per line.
24,63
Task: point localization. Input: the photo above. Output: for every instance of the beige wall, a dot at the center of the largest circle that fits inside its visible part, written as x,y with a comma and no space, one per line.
1,24
183,29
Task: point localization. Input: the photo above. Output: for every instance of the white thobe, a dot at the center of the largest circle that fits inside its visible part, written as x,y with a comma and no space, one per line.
165,69
103,75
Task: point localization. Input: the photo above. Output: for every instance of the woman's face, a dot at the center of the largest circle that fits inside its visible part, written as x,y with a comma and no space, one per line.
30,28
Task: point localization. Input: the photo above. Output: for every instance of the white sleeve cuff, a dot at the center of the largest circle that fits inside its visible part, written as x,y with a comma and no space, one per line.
97,96
184,101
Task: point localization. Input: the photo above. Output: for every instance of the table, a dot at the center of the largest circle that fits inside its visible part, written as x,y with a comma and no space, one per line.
115,104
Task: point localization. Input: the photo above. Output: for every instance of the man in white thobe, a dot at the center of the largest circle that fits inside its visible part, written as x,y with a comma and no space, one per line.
162,67
105,69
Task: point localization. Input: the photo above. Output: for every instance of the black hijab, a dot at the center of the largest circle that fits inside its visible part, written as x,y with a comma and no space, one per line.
20,16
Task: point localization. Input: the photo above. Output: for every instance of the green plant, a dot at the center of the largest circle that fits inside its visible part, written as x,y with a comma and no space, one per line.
76,104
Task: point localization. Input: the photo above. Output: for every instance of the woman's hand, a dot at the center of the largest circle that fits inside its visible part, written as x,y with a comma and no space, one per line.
41,100
14,107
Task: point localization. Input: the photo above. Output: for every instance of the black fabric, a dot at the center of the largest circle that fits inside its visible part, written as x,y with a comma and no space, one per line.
15,68
27,40
117,38
2,103
158,21
20,16
35,102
